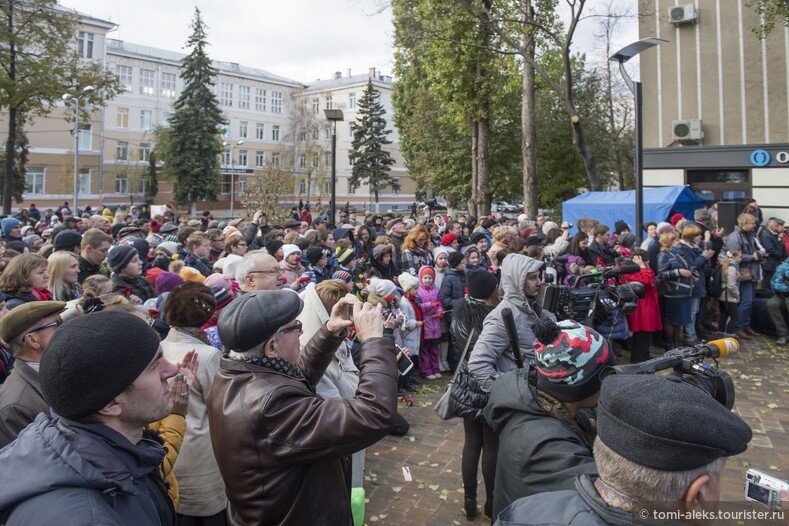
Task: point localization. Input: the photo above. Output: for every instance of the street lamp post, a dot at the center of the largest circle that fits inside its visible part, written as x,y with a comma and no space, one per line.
333,116
232,175
68,97
622,56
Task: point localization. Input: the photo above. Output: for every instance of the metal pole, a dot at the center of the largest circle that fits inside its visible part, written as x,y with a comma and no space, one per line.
232,180
333,204
638,168
75,198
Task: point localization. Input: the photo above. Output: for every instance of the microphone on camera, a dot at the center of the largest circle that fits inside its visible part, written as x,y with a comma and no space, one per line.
720,348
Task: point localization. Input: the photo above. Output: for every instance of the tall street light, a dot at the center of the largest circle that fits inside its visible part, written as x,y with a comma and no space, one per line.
622,56
232,174
68,97
333,116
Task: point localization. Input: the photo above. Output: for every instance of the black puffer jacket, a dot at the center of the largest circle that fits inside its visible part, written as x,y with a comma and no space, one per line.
469,315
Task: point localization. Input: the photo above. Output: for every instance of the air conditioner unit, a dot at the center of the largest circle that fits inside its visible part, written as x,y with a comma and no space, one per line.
682,14
687,130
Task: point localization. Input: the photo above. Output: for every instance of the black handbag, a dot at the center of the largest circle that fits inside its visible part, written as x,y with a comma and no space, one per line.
464,397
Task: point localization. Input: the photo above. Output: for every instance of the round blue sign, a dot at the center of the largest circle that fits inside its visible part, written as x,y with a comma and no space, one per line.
760,158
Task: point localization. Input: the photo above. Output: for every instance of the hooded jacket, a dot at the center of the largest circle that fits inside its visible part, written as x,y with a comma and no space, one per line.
538,451
64,473
491,355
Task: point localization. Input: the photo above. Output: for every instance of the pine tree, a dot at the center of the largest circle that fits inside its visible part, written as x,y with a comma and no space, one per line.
191,146
371,163
152,186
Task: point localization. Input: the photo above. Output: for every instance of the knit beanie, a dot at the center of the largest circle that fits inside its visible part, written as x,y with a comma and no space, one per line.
381,287
190,304
454,259
481,284
273,246
167,281
9,223
476,237
345,255
570,357
342,275
120,256
231,263
448,239
288,250
78,384
548,226
620,226
314,254
168,247
222,297
425,269
192,274
663,227
407,281
67,240
217,280
675,219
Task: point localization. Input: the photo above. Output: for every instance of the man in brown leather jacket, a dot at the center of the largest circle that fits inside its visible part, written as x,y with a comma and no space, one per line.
282,450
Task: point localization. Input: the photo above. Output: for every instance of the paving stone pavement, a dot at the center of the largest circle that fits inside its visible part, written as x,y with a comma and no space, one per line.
432,449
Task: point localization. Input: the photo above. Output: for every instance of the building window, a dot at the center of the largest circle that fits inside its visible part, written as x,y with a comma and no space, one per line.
85,138
351,127
352,101
147,81
225,129
122,120
84,181
168,85
34,177
243,129
350,159
302,136
242,186
260,131
327,132
166,119
85,44
316,106
326,187
146,119
276,102
303,160
260,99
302,187
328,104
226,94
275,159
122,151
316,161
144,153
351,190
121,184
315,133
226,157
260,159
275,133
395,185
243,157
124,76
243,97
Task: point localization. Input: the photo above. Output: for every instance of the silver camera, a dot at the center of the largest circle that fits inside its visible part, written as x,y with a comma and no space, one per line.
764,489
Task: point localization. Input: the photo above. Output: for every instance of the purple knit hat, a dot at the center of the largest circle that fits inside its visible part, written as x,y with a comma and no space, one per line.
167,281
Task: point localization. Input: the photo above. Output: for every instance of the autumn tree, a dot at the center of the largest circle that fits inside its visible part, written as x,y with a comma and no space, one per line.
38,64
191,146
309,155
771,12
264,192
371,162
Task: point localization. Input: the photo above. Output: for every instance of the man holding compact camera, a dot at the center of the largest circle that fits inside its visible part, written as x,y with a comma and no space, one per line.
661,443
743,240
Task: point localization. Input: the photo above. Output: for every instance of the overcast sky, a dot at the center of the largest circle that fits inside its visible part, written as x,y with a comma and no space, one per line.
302,40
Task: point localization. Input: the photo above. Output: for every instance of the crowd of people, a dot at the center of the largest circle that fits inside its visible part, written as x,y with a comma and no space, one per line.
190,370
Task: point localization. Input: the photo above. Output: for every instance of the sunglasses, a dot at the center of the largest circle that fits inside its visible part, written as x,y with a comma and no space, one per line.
296,327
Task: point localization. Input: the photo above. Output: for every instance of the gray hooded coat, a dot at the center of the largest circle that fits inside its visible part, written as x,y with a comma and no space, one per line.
491,355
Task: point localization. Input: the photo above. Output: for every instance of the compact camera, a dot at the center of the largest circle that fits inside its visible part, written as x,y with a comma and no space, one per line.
764,489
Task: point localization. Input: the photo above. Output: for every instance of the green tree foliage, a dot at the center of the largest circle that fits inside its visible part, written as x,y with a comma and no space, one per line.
38,65
371,163
19,163
152,188
772,12
191,146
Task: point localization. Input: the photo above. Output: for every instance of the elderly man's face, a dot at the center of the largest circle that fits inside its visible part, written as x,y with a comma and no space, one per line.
287,344
45,329
150,398
266,275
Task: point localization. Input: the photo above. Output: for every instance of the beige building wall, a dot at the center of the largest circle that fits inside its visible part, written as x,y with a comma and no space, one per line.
716,70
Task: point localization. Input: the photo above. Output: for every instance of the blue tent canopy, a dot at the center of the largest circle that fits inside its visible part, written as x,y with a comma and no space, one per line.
609,207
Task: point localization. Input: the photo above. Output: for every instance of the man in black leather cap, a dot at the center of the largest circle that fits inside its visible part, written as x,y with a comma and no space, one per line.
282,450
661,442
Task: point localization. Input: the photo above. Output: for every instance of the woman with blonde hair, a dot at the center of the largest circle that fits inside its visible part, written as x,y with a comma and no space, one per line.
25,279
675,271
415,250
63,269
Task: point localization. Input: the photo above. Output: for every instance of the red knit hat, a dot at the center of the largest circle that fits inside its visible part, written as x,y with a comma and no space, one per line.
448,239
675,218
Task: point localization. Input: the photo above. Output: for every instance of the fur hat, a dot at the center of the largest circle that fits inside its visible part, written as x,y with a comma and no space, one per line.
78,384
570,358
190,304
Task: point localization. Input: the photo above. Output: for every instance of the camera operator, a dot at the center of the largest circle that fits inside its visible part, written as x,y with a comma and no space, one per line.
659,440
521,278
543,420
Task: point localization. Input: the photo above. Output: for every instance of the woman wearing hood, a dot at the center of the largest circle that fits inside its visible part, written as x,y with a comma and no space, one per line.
381,264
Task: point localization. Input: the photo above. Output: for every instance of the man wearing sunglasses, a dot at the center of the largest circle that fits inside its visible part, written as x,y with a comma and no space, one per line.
27,331
282,450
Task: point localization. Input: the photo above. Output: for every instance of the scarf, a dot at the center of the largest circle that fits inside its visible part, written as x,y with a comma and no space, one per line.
41,295
279,365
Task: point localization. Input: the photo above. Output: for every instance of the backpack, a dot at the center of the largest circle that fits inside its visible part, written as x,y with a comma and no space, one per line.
715,282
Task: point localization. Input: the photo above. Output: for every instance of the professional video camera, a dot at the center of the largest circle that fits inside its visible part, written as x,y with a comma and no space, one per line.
589,298
688,364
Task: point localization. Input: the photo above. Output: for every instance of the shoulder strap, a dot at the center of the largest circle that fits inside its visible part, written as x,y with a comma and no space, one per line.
463,356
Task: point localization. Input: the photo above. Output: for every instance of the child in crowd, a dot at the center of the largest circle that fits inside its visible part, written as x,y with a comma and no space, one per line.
432,311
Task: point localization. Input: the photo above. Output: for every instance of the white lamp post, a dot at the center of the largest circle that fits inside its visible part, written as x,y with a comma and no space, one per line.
68,97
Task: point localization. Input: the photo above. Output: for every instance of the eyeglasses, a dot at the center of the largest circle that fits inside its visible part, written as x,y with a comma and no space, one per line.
57,323
296,327
275,271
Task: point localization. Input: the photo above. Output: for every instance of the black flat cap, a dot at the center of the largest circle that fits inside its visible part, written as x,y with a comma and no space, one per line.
67,240
167,228
255,317
664,423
